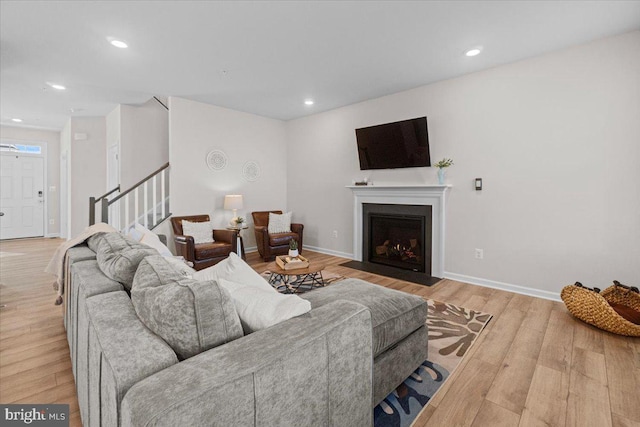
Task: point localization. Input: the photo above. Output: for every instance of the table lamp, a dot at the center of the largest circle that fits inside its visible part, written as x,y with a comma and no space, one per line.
233,202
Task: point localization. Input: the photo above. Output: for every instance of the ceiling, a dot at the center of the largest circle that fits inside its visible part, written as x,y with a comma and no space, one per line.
267,57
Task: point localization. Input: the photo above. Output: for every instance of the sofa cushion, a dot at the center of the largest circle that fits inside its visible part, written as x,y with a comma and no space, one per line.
191,316
118,257
259,309
94,241
236,270
282,239
212,250
394,314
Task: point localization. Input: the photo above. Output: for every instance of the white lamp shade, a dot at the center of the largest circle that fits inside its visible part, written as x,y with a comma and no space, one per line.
233,201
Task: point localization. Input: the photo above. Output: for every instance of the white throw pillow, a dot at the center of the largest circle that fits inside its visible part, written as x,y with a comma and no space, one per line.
202,232
236,270
259,309
279,223
145,236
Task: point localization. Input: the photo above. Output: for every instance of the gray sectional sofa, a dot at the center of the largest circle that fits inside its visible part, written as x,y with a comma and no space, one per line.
328,367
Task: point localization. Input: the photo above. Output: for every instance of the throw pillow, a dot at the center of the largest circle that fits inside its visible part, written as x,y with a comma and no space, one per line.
279,223
191,316
118,257
235,269
259,309
142,234
202,232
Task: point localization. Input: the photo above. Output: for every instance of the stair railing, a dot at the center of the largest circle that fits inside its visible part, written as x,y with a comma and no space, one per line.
147,201
93,202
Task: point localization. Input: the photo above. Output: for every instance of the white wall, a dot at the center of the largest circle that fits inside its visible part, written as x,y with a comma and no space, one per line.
194,130
556,139
52,141
87,169
144,141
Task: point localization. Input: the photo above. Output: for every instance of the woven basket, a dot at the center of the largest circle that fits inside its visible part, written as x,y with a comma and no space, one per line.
593,307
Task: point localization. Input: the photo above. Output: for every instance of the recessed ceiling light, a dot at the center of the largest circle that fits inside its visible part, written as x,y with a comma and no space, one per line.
16,120
118,43
473,52
56,86
308,102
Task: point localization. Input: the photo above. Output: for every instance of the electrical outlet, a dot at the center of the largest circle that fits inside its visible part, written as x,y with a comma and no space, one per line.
479,253
335,234
52,221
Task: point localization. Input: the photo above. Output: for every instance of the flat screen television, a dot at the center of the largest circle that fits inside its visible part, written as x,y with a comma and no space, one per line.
395,145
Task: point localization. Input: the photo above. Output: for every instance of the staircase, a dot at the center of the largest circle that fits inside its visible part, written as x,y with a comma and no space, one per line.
146,203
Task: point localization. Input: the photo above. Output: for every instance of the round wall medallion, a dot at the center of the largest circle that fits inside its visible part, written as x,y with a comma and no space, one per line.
216,160
251,171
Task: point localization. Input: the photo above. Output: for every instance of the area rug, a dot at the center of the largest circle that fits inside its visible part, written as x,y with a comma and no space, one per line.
452,332
328,278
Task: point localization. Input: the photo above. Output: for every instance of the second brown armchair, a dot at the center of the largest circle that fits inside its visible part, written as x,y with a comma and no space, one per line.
270,245
203,255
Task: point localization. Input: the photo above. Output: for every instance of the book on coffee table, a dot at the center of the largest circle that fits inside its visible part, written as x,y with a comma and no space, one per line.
292,263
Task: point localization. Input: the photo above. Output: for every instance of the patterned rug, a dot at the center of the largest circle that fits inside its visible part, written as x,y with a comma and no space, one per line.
452,331
328,279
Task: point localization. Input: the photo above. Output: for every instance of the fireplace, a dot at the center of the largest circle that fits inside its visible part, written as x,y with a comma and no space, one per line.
400,202
396,240
397,236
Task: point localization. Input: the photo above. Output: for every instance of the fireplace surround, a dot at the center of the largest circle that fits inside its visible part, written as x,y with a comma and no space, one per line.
433,196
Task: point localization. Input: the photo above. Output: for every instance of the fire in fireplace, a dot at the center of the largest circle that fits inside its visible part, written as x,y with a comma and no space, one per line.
397,240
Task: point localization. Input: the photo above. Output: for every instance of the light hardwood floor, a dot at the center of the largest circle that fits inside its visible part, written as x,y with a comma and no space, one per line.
533,365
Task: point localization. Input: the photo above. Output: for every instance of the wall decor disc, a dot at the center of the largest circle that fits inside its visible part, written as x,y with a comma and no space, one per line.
217,160
251,171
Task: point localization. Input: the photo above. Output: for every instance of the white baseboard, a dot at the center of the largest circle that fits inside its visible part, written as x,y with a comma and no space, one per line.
329,252
532,292
250,249
52,235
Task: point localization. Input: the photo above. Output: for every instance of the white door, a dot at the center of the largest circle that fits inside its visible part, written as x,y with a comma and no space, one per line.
21,196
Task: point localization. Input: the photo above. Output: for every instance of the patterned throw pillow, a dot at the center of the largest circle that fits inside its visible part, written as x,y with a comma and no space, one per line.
202,232
279,223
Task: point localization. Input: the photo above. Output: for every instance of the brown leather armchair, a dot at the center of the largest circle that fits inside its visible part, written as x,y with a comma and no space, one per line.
270,245
203,255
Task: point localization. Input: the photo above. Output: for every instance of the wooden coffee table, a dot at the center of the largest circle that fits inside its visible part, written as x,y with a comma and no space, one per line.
296,281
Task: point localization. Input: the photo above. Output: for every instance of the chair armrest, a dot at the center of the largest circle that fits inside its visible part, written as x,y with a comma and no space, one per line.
262,239
227,236
185,247
308,366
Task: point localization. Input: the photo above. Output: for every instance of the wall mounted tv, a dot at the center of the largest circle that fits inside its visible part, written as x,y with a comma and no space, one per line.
402,144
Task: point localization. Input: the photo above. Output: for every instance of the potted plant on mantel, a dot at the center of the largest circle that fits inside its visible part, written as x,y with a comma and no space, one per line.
293,248
441,165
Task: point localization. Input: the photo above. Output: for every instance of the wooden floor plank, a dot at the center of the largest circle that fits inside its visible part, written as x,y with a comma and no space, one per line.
547,398
494,415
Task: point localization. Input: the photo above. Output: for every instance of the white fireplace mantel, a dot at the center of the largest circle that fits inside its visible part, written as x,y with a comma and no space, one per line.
431,195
